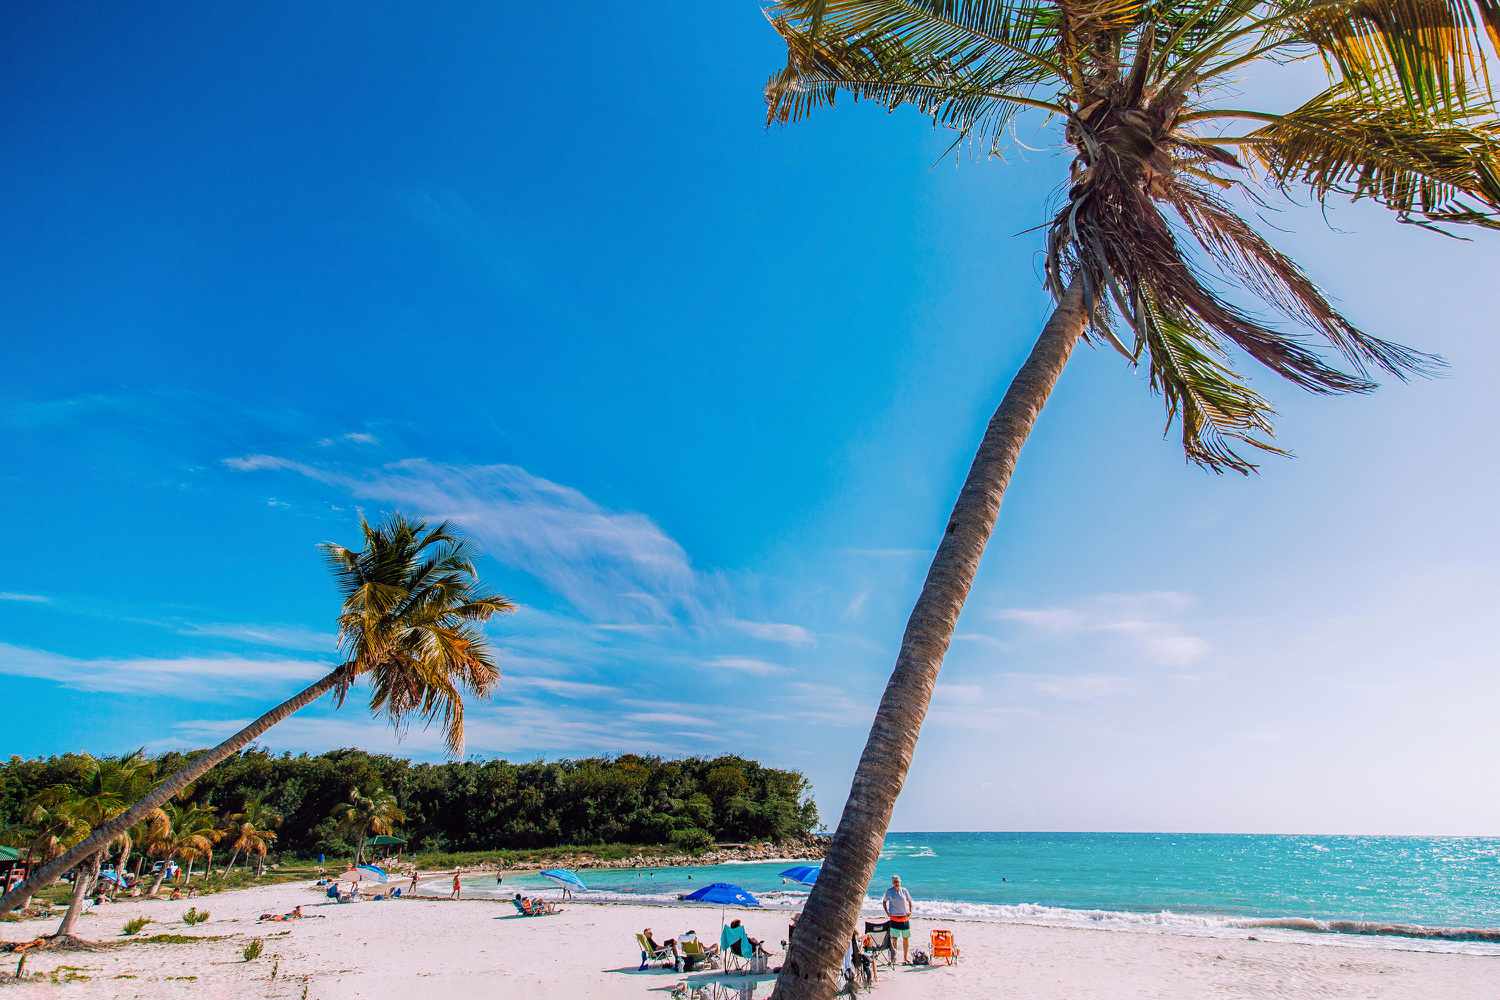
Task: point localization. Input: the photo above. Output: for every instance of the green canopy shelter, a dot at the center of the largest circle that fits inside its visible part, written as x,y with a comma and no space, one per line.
387,841
12,867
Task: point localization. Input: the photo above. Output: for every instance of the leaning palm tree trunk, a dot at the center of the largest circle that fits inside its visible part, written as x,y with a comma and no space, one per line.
81,882
833,907
120,869
163,792
161,875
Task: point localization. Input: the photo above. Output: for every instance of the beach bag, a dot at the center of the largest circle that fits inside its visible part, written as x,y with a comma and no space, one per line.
920,958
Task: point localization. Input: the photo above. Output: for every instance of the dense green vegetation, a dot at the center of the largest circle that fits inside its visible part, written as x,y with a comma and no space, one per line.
472,805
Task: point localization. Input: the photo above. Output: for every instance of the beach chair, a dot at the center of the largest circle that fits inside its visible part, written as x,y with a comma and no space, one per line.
533,908
943,947
733,960
650,954
694,956
877,944
736,953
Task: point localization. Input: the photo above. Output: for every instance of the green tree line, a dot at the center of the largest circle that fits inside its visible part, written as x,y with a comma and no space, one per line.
473,805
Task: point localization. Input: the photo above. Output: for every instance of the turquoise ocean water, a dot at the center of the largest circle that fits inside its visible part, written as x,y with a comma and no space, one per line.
1428,893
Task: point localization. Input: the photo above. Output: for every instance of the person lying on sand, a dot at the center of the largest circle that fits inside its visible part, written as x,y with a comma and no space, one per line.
296,914
533,907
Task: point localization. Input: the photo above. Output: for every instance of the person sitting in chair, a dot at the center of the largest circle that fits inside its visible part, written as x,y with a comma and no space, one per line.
699,954
735,941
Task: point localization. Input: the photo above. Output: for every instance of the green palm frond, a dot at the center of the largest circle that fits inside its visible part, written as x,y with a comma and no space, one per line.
1444,167
971,74
1405,122
1214,406
1429,50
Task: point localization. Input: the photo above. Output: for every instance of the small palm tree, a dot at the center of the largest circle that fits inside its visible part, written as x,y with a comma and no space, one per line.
256,818
409,623
365,816
101,791
137,835
253,841
1405,120
189,832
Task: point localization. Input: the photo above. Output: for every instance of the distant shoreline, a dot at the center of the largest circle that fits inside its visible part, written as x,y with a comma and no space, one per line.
810,849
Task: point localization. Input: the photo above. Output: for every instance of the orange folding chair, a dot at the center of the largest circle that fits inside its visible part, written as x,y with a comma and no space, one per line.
943,947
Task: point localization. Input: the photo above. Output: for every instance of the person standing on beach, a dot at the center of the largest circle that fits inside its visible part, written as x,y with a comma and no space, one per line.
413,890
457,888
897,905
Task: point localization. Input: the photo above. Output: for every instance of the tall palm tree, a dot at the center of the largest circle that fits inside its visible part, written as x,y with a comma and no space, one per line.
1404,120
409,623
365,816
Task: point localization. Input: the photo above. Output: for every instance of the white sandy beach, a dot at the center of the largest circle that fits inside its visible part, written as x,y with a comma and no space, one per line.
410,948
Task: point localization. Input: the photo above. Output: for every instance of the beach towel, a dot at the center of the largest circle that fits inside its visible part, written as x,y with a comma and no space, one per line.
734,939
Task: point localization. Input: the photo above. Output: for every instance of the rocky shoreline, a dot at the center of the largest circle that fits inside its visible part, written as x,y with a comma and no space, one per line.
809,850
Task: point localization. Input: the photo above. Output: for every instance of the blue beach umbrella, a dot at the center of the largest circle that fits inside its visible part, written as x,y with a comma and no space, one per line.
565,878
722,893
374,870
803,874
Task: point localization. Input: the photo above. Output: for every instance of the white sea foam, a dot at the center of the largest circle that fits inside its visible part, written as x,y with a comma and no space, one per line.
1349,933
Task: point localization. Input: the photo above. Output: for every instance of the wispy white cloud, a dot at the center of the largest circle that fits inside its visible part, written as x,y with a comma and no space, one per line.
631,628
745,665
1077,687
1048,619
10,595
813,701
353,437
609,564
856,606
948,693
280,636
671,718
887,553
791,635
513,729
1148,621
200,678
557,686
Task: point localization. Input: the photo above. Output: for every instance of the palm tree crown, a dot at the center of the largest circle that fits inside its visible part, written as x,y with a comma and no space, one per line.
366,815
102,789
410,622
1405,120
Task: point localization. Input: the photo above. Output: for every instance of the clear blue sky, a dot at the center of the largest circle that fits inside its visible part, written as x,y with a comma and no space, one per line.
703,393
